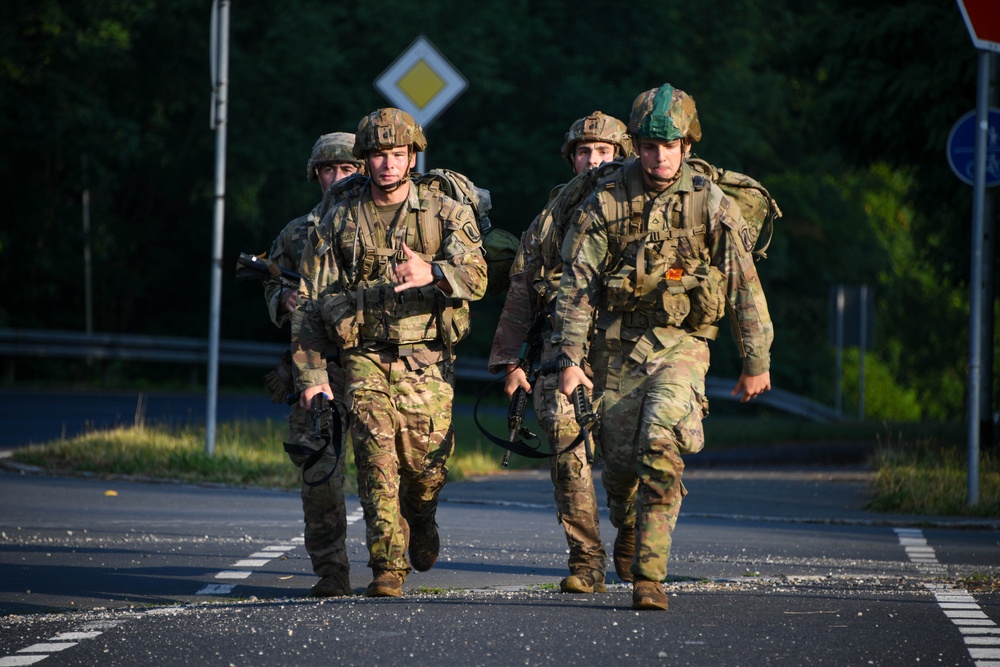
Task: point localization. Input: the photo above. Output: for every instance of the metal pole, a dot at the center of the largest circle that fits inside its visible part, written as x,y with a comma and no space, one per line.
862,343
218,223
986,404
88,289
975,301
839,323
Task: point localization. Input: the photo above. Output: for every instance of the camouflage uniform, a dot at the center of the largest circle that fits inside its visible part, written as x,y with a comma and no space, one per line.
649,359
322,488
396,350
576,502
322,491
534,280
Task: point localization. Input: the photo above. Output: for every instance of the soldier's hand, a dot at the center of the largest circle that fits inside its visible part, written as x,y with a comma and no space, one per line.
752,386
306,397
570,378
289,299
516,378
414,272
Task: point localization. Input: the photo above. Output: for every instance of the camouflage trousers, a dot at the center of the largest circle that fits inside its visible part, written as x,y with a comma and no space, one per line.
572,478
651,414
323,507
402,437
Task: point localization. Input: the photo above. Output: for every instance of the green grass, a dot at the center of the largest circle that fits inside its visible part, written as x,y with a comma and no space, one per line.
924,476
915,474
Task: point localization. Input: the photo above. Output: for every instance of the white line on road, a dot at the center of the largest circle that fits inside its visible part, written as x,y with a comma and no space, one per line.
957,604
29,655
259,559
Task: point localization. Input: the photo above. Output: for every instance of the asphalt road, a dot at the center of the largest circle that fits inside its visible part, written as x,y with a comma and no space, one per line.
768,567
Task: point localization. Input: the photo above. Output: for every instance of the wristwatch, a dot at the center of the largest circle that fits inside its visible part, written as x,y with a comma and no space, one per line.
437,273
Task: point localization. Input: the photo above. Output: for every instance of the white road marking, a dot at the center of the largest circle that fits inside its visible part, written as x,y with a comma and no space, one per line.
233,574
956,603
259,559
29,655
21,660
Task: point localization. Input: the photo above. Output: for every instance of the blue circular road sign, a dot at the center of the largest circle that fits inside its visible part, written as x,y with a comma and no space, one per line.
962,148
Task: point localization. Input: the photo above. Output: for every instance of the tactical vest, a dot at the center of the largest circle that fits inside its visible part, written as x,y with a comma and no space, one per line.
659,269
414,316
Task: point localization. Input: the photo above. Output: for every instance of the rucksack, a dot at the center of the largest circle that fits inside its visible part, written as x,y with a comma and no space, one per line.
758,207
756,204
499,245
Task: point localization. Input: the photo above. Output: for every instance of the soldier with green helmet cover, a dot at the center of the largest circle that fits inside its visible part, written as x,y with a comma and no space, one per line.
659,253
322,486
590,141
387,278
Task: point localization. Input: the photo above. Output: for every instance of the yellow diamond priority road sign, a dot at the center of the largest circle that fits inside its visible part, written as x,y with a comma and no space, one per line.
421,81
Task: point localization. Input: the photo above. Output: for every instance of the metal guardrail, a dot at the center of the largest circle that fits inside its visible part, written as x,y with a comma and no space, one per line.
131,347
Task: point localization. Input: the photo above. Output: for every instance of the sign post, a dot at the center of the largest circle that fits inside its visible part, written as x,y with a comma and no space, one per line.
983,23
422,83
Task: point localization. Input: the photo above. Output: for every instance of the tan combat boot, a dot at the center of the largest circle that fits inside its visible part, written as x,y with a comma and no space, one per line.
648,594
585,581
386,584
624,552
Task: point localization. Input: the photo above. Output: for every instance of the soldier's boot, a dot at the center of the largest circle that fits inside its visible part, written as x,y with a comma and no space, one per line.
424,545
648,594
624,552
332,585
386,584
584,581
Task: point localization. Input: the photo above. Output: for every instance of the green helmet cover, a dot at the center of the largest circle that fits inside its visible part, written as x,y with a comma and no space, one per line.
665,113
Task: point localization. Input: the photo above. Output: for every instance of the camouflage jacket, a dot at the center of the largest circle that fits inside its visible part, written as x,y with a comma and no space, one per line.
286,252
342,261
528,292
597,244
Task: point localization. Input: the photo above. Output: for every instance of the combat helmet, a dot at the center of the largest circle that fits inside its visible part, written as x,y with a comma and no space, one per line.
333,147
598,127
386,128
664,113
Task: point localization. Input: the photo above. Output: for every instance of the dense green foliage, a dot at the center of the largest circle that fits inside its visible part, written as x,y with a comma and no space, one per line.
840,107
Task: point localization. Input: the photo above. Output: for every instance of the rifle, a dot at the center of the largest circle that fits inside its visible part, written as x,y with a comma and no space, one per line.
258,268
320,405
531,349
586,418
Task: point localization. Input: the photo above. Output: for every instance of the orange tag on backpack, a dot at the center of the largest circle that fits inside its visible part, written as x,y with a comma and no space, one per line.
675,274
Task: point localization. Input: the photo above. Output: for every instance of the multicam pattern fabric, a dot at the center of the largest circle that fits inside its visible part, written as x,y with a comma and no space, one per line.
652,374
323,507
322,492
401,433
597,127
387,128
400,396
532,288
572,479
341,258
333,147
286,251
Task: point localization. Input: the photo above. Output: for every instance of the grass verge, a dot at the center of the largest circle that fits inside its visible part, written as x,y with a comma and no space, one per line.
914,473
926,477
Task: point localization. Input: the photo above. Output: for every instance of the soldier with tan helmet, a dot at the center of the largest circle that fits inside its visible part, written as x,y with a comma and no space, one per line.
661,253
590,141
322,492
387,278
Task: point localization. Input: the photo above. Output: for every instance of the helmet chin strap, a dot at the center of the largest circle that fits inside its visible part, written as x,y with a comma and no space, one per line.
392,187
